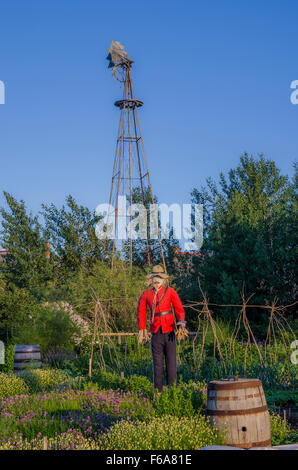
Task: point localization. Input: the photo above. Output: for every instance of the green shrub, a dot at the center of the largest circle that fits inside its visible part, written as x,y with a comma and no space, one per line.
281,431
8,365
49,328
281,397
139,384
11,385
40,380
74,383
168,432
109,380
175,401
198,393
80,365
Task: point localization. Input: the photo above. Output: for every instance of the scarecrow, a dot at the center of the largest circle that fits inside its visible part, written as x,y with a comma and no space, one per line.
163,302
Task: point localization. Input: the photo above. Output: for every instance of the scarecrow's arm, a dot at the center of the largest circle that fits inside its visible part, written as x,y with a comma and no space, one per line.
177,306
142,311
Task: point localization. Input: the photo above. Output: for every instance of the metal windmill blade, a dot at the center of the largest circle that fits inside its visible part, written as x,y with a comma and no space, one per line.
117,54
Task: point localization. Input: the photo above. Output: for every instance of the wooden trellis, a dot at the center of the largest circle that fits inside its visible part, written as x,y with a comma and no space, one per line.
104,331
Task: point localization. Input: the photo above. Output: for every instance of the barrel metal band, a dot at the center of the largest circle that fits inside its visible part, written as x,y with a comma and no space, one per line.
235,385
252,444
251,411
218,398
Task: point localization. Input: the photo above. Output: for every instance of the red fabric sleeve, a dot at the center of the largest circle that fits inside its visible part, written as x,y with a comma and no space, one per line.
142,311
177,305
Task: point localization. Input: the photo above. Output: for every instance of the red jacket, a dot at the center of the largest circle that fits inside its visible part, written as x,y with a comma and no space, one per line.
166,322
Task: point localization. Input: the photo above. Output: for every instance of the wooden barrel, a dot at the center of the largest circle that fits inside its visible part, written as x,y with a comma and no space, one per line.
26,356
239,408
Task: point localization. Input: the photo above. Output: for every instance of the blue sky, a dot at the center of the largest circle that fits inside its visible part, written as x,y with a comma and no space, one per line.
214,77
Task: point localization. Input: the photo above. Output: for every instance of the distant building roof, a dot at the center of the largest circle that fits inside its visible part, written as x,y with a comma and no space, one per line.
186,256
3,253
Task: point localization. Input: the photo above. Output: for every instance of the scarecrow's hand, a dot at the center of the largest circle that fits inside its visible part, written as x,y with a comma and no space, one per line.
143,337
181,332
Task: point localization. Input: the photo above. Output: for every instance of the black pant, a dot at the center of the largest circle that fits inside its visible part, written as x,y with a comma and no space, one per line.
163,345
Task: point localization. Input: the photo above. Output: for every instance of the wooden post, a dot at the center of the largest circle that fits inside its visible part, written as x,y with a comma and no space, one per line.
119,339
122,375
90,368
45,443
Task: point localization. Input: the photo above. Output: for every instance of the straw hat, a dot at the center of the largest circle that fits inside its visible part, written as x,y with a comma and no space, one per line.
158,271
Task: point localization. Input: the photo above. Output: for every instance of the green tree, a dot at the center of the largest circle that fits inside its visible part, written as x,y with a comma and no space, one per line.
26,265
15,307
71,231
249,234
48,327
118,291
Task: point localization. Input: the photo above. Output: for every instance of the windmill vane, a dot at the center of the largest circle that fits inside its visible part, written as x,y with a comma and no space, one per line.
117,55
130,178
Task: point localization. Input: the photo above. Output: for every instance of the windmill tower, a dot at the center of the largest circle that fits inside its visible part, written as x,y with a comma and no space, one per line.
130,170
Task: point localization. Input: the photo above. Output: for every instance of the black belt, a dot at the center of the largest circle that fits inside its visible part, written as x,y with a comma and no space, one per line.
160,314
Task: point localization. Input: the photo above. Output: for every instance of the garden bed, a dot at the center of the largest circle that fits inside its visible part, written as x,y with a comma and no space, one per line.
56,411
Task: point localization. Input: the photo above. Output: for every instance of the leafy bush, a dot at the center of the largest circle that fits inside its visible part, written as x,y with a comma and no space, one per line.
39,380
79,366
15,303
11,385
74,383
168,432
8,365
177,401
109,380
281,397
124,285
281,431
198,393
139,384
49,328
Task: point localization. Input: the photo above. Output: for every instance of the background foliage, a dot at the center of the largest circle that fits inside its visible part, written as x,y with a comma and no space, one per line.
249,246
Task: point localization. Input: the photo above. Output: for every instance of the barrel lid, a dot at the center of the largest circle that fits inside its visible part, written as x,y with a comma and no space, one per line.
27,347
233,383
